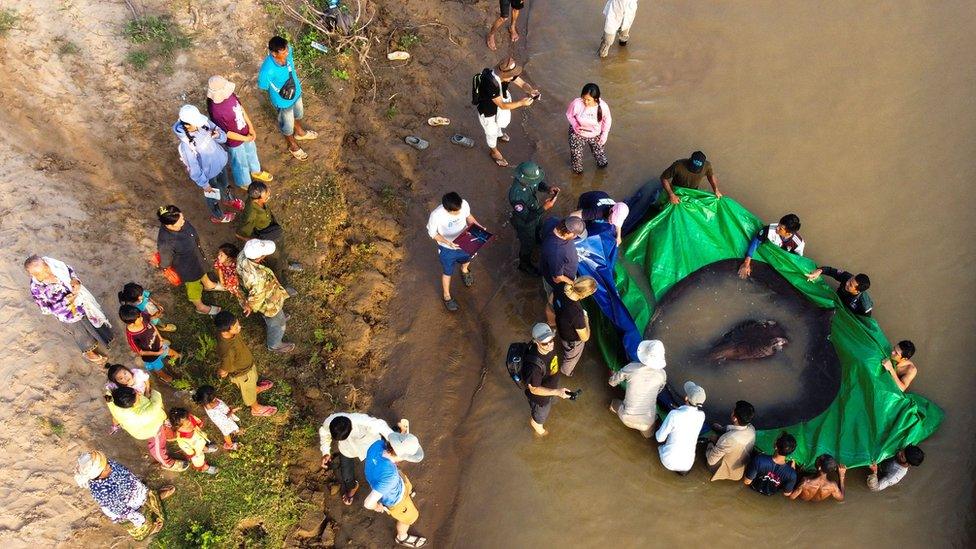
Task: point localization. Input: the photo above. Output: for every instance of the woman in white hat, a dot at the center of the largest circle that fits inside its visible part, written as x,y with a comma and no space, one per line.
121,495
227,112
645,379
206,160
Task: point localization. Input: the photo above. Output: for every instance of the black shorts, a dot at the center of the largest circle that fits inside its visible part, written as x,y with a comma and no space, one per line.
505,6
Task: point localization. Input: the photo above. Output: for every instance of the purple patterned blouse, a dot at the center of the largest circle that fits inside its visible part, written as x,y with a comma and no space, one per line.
52,299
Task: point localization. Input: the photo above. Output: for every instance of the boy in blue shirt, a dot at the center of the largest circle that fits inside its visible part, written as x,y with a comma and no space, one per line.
279,78
391,489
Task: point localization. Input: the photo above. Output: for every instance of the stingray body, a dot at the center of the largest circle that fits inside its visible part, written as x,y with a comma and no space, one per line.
752,339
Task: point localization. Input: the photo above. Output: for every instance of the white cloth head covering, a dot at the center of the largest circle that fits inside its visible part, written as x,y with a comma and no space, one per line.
651,353
695,394
257,248
406,446
219,89
192,116
85,299
90,466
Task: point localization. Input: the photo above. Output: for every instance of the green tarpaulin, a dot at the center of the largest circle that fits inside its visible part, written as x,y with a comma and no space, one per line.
870,419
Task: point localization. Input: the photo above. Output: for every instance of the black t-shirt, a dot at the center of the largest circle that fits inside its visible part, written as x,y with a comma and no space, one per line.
569,317
769,477
488,91
544,373
559,257
147,339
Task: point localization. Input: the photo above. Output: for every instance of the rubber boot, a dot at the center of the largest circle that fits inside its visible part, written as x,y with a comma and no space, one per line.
605,44
624,37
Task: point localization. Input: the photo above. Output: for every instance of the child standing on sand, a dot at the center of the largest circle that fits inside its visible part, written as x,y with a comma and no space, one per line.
222,415
139,297
226,267
192,440
145,341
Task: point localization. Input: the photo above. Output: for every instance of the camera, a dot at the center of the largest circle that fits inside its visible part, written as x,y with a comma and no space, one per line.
573,395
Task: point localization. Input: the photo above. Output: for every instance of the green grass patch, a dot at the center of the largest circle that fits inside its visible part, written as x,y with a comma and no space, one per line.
340,74
408,40
67,47
8,21
156,38
316,206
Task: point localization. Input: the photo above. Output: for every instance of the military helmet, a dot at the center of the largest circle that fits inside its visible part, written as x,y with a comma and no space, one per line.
529,172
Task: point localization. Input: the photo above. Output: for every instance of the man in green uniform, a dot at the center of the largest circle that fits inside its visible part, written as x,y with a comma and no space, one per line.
257,221
527,211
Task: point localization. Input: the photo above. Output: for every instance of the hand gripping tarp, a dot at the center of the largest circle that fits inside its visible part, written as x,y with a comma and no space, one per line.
869,420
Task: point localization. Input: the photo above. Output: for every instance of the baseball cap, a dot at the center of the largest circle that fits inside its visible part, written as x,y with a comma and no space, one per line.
255,248
192,116
695,394
406,446
542,333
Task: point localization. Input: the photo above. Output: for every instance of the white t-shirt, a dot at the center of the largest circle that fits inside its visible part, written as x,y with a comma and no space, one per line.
447,224
221,417
679,434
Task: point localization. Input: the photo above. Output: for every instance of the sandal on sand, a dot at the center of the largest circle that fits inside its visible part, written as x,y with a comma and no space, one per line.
167,491
438,121
468,279
299,154
265,384
307,136
168,327
451,305
459,139
398,56
227,218
267,411
232,446
411,541
212,311
505,138
262,176
416,142
95,358
500,160
348,497
178,466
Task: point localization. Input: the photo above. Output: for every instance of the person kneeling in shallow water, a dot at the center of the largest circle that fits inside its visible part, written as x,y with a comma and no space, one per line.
820,487
900,366
852,290
894,469
679,431
645,379
783,234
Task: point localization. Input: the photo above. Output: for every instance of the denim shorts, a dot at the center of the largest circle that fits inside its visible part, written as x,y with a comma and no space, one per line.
450,257
287,117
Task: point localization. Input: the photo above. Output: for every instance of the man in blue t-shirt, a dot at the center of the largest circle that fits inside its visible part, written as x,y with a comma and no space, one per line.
768,475
279,78
391,489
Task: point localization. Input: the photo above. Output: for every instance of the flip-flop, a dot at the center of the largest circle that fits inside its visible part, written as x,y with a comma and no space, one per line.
267,412
459,139
299,154
212,311
307,136
168,327
411,541
265,385
398,56
505,138
438,121
451,305
500,162
350,496
416,142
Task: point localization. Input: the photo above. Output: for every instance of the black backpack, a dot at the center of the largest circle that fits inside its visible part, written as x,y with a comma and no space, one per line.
476,84
519,369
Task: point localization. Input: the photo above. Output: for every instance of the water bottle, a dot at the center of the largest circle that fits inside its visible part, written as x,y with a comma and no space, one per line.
321,47
518,368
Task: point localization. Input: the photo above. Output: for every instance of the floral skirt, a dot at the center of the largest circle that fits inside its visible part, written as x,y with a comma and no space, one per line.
153,511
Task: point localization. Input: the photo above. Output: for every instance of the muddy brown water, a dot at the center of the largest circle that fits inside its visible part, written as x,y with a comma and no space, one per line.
857,116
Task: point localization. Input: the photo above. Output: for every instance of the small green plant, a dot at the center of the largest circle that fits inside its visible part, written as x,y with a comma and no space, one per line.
206,343
340,74
408,40
391,112
158,37
391,199
55,427
320,335
8,21
66,47
182,384
203,537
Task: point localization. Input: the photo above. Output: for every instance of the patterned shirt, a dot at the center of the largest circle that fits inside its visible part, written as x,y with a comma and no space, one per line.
221,417
192,442
228,272
265,294
52,299
120,495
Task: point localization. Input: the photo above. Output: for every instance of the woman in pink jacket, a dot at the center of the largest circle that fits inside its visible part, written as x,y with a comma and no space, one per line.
589,124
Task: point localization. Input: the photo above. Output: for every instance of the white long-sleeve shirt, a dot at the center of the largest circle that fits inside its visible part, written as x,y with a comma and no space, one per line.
680,430
620,15
640,401
366,430
891,474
